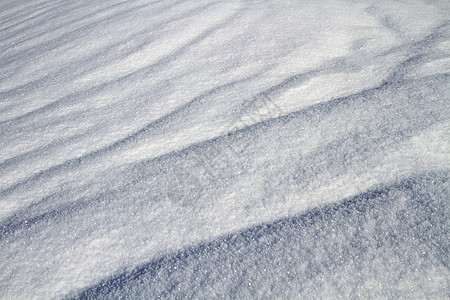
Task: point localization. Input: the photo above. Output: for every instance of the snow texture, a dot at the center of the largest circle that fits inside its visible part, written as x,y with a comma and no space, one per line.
208,149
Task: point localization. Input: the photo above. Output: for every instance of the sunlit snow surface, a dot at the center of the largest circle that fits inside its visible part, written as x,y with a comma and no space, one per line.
224,149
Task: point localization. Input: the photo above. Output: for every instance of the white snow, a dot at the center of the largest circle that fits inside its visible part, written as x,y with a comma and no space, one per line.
130,130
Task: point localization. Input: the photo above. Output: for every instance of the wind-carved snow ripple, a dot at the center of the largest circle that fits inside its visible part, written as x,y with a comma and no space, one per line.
233,149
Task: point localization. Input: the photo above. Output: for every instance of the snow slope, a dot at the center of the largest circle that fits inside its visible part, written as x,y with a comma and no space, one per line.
225,149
